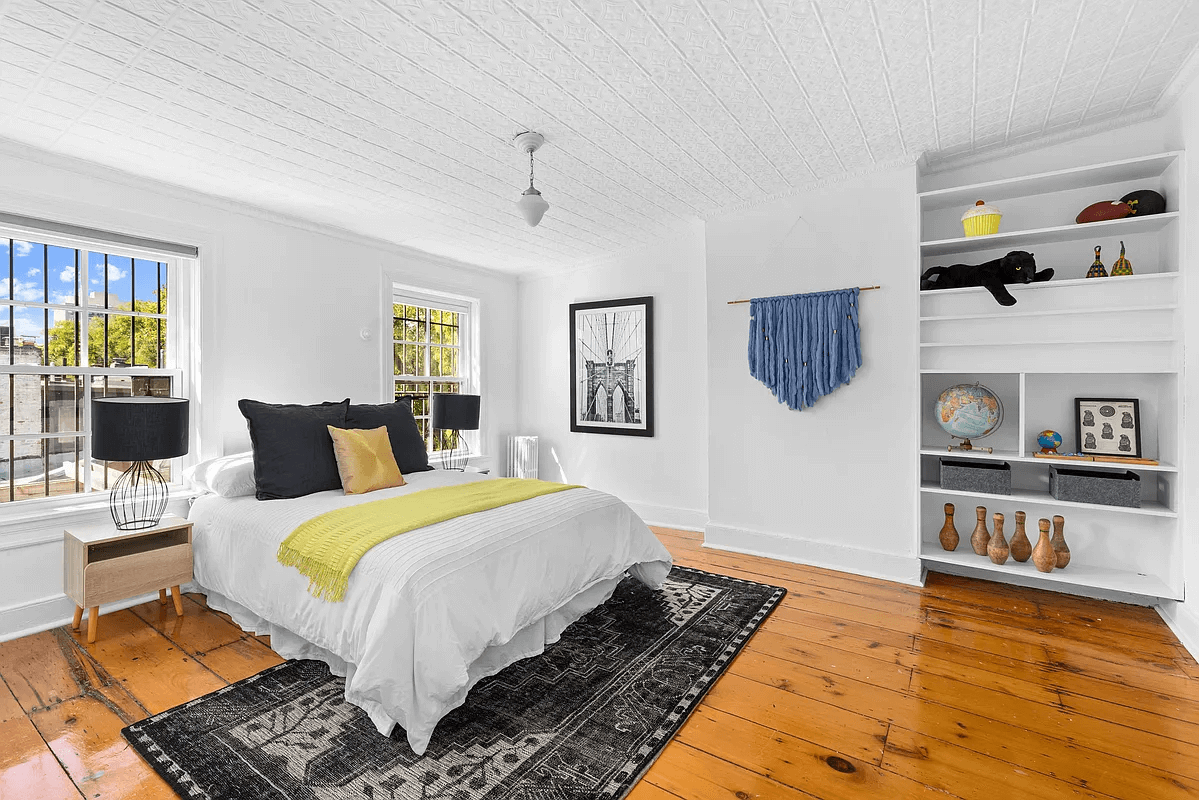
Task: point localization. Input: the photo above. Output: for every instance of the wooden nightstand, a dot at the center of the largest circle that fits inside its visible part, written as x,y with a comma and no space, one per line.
102,565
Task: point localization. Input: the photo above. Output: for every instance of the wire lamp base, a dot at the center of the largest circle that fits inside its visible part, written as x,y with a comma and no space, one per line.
457,456
139,497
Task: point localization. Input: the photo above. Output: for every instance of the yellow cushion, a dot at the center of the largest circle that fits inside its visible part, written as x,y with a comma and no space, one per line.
364,459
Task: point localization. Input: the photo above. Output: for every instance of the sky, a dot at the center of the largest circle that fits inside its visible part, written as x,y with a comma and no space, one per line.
28,283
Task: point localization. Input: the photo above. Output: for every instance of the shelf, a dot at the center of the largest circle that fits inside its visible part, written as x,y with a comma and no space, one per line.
1148,509
1132,169
1061,312
1074,575
1127,226
1012,455
1053,342
1061,371
1146,277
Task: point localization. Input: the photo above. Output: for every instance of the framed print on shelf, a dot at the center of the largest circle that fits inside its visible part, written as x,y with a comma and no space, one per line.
612,367
1107,427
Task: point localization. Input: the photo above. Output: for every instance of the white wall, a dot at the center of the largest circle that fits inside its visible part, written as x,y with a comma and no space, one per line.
664,477
282,304
833,485
1182,126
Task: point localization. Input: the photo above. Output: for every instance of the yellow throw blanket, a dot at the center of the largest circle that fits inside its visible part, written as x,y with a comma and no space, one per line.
326,548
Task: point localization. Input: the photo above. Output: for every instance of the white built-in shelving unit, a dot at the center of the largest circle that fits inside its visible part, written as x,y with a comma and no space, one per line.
1069,337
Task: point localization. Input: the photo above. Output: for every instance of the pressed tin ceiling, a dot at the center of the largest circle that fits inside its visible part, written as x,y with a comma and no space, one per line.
394,118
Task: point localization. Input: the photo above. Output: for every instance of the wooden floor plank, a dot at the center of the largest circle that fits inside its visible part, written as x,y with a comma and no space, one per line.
151,668
51,667
976,777
693,774
85,736
241,659
854,688
793,762
852,734
1163,752
1118,777
197,631
28,769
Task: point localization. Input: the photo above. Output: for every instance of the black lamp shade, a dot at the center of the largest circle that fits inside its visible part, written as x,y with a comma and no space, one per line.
456,412
138,428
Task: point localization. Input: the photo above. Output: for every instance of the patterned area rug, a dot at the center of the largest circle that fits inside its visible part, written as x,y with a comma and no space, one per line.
583,720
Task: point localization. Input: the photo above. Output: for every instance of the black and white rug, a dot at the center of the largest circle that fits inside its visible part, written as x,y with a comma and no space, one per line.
583,720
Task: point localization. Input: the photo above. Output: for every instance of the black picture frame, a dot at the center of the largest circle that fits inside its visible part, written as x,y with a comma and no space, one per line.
1095,435
629,323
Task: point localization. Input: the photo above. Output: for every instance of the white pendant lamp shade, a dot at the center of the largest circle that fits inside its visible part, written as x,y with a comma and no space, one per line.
532,205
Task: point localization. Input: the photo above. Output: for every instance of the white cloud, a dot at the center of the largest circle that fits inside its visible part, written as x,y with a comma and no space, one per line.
27,291
29,323
35,271
67,275
62,298
23,248
115,273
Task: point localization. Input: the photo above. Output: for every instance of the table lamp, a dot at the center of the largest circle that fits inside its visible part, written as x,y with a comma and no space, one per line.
138,430
455,413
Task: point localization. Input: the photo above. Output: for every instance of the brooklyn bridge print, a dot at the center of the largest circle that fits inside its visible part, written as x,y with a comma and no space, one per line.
611,367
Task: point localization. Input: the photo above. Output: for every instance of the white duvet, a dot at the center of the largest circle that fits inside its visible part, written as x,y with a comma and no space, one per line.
430,612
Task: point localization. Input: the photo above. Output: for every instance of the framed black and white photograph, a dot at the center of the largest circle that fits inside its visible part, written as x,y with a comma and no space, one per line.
612,367
1107,427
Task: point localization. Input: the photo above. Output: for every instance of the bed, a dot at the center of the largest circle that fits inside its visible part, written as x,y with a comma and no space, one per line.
428,613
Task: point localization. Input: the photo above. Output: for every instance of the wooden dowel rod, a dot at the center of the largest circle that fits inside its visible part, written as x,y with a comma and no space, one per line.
860,289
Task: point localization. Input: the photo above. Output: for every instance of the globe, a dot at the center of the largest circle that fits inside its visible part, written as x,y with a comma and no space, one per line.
969,411
1049,441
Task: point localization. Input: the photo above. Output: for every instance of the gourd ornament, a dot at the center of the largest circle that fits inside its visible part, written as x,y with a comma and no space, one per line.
1061,550
1122,266
1020,546
1043,555
998,548
949,533
981,536
1097,269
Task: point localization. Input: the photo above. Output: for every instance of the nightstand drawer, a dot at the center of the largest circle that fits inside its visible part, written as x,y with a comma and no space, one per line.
136,573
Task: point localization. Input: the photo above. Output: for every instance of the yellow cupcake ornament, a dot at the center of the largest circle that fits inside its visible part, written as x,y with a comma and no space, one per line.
1122,266
982,220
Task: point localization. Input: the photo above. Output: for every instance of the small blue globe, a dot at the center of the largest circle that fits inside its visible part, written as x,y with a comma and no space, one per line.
1049,441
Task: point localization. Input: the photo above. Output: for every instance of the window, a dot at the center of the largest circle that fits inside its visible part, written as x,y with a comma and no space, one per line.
77,321
432,354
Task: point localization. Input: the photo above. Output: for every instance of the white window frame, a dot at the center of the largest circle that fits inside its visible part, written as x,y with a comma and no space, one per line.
468,381
181,349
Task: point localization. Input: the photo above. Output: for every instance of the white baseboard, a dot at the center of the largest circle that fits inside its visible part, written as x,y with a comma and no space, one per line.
40,615
870,563
684,519
1184,622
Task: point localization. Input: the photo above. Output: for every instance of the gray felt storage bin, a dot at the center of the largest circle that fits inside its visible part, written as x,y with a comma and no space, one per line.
1094,486
990,477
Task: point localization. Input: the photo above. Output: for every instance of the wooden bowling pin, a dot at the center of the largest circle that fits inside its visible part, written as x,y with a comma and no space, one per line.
981,536
997,548
1042,555
1060,547
1020,546
949,534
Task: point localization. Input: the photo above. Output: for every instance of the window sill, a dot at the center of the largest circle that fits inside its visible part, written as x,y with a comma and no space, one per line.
22,526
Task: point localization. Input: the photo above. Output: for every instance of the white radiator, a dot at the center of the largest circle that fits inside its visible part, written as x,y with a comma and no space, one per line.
522,456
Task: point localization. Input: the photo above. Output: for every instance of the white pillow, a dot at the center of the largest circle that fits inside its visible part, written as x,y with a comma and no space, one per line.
227,476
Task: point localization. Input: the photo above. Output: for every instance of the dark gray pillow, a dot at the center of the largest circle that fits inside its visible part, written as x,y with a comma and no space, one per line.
293,452
407,444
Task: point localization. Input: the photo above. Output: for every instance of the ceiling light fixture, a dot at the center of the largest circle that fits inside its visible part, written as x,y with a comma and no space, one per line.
532,205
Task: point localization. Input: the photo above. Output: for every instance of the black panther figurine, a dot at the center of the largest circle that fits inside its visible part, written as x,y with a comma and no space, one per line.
1016,267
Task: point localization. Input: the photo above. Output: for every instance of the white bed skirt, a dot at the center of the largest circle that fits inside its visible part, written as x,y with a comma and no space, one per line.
528,642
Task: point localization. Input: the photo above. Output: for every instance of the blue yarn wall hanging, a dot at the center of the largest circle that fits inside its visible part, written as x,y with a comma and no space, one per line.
804,346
